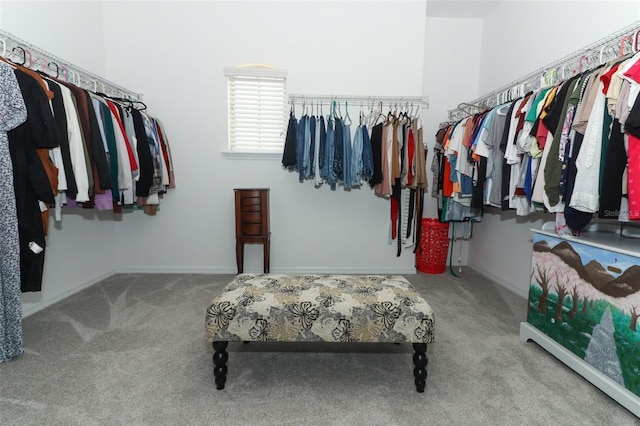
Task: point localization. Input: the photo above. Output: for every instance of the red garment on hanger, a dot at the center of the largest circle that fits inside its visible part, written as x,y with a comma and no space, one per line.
116,114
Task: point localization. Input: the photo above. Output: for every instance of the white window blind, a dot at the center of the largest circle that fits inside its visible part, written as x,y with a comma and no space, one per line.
257,108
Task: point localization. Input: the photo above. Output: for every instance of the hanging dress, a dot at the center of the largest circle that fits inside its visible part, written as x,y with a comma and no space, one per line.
13,112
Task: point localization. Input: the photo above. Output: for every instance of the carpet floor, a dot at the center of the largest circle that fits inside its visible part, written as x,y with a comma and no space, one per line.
131,350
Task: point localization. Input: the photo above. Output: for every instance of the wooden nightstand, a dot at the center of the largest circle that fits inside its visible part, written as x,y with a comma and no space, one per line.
252,222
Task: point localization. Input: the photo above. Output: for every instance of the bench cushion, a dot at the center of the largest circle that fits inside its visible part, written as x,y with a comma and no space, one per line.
319,308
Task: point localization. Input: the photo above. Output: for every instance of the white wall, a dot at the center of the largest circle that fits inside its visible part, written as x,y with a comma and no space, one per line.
523,36
520,37
175,52
71,30
80,250
451,75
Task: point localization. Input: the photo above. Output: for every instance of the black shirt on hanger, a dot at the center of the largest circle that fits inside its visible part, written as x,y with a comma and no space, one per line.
31,183
376,150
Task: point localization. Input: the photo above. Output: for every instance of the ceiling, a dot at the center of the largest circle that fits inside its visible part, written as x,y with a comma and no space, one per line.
460,8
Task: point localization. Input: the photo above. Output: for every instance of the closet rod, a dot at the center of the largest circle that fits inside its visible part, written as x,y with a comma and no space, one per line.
622,42
40,60
386,100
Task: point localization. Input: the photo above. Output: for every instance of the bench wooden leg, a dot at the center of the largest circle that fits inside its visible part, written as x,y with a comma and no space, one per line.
420,361
220,357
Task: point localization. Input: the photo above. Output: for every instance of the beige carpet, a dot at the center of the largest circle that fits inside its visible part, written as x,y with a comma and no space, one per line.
131,350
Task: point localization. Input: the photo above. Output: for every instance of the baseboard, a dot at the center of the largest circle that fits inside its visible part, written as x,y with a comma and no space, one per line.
402,270
284,270
176,270
30,310
517,290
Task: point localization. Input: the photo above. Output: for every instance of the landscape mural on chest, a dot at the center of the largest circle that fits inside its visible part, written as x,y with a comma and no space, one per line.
588,300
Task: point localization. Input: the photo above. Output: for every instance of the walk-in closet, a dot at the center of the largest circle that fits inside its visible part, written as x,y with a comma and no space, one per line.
384,133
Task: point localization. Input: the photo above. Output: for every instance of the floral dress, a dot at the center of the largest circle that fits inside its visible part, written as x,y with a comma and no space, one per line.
13,112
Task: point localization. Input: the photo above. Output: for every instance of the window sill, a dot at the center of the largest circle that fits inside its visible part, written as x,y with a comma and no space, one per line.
240,155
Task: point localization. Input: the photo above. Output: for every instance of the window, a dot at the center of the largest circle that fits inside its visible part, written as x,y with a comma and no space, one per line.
257,109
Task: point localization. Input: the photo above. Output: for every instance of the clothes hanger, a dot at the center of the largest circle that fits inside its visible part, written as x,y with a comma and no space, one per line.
564,67
24,55
515,90
552,79
378,115
416,117
583,57
372,115
57,68
123,99
346,115
601,58
623,42
390,116
30,60
405,113
72,76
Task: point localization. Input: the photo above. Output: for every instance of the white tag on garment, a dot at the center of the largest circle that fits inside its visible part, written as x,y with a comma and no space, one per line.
43,206
34,247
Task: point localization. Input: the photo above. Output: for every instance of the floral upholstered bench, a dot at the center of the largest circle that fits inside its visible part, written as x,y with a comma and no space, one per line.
319,308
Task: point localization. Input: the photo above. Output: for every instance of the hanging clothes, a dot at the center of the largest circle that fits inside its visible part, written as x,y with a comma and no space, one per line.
55,151
566,149
386,152
146,161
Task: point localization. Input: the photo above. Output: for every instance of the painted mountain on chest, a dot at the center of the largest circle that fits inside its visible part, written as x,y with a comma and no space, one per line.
626,284
598,275
565,251
593,272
